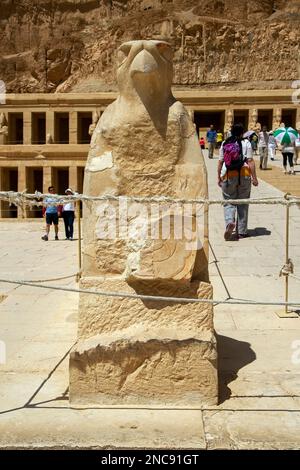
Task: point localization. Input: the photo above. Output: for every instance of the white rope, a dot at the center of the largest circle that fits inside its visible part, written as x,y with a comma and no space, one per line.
37,199
151,297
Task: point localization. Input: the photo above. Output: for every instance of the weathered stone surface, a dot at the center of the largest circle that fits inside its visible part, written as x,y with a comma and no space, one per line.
105,314
214,42
144,352
131,350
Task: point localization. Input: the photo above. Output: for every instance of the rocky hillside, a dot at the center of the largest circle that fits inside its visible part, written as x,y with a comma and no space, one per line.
69,45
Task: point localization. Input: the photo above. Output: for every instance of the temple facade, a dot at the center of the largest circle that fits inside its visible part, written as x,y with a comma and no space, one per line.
44,138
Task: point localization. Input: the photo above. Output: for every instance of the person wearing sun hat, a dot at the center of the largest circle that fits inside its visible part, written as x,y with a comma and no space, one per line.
68,214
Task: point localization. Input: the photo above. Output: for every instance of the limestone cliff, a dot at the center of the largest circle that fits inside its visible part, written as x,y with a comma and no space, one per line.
69,45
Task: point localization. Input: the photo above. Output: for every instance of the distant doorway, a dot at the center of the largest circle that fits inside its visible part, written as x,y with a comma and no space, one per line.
9,182
241,116
15,128
84,120
265,118
204,119
39,128
61,128
60,179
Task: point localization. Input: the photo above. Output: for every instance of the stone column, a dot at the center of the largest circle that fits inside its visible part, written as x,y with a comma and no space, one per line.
253,119
27,127
73,179
73,127
50,125
229,119
21,187
298,118
47,178
3,129
277,118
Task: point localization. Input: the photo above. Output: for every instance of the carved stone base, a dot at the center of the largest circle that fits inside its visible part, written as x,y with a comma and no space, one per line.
144,353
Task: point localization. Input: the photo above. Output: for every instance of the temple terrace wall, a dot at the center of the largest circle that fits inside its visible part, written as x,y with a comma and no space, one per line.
44,138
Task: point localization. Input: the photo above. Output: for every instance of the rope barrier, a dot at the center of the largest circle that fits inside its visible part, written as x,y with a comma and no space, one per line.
151,297
37,199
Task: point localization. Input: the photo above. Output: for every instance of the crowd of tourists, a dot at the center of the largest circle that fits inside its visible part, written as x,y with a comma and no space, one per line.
236,167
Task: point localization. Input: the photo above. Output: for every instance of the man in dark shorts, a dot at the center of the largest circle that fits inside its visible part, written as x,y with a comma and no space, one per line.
51,214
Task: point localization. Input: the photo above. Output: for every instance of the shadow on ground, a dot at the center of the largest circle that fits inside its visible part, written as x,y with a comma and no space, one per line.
233,355
259,232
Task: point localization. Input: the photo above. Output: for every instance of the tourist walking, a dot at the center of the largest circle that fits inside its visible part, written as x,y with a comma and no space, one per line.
51,213
272,146
236,170
68,214
263,147
211,137
286,137
288,152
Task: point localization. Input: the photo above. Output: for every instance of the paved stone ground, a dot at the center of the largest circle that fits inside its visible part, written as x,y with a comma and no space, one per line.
274,175
259,382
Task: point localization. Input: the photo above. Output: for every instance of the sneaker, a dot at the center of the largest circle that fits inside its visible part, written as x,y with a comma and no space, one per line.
228,232
284,171
56,237
272,159
45,238
293,172
71,239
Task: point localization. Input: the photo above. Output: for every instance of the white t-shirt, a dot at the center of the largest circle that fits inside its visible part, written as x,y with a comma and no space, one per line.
69,206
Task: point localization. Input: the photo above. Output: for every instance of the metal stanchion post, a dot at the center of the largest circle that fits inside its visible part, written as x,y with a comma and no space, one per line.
79,241
287,313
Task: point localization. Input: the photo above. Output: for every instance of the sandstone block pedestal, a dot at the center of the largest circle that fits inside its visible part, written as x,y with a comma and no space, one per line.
160,354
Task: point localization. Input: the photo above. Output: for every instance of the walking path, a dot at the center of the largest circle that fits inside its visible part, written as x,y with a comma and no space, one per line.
275,176
259,368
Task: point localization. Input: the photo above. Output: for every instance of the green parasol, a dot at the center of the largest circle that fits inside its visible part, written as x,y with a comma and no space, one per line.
286,135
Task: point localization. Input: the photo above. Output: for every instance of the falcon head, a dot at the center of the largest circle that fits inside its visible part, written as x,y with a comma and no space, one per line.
145,66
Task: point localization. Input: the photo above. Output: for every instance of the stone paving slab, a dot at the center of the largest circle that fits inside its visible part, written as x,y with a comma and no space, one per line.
264,430
102,429
259,382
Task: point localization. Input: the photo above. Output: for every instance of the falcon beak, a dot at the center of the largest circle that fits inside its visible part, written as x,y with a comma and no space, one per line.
144,62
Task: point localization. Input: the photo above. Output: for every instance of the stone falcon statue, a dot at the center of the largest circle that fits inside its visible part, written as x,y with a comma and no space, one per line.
133,351
145,145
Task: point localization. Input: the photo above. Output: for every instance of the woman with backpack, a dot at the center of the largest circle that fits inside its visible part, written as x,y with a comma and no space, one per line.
236,170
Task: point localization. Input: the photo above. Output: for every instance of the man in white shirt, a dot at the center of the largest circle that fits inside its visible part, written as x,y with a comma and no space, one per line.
263,145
